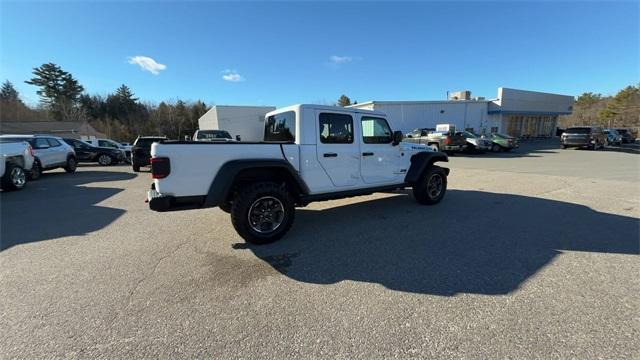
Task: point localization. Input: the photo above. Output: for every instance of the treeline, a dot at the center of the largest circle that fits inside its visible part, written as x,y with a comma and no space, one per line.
120,115
619,111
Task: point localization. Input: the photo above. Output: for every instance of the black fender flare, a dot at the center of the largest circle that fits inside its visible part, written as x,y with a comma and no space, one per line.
224,180
421,161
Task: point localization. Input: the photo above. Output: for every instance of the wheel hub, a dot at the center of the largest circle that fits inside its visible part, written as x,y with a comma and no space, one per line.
434,186
18,177
266,214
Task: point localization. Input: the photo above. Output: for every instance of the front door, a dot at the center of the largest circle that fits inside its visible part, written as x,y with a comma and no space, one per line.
337,150
380,162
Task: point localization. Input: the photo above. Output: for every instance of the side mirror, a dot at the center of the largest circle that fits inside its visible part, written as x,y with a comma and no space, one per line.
397,137
237,137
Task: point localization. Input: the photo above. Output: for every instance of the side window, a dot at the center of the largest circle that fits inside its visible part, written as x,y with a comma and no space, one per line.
375,130
103,143
41,143
336,128
53,142
281,127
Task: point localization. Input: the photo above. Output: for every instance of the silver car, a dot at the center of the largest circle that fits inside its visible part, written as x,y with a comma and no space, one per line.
50,152
476,143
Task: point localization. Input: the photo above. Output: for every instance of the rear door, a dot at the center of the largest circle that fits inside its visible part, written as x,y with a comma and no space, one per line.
43,153
58,152
380,160
337,151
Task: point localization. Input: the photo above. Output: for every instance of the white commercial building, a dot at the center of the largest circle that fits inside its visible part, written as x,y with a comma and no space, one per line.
514,112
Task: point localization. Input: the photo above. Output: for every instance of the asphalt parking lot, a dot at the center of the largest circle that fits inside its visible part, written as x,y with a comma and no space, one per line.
532,254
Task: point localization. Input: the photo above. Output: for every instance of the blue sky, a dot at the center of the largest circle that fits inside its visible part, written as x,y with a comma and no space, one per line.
284,53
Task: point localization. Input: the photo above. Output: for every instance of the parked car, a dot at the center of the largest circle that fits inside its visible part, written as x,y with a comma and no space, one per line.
17,160
591,137
212,135
502,142
627,136
310,153
447,141
141,151
475,143
50,152
111,144
104,156
613,137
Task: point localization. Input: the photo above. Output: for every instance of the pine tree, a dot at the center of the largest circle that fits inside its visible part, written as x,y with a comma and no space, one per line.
8,92
344,101
59,90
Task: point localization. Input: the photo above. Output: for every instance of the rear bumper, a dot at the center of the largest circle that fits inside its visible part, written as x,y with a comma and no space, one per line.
172,203
452,147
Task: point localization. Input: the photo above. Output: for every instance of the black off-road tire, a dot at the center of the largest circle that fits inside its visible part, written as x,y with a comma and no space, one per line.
36,170
245,199
422,191
14,178
72,165
136,167
226,207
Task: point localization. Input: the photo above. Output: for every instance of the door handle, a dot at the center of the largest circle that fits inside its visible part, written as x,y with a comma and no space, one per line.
367,154
330,155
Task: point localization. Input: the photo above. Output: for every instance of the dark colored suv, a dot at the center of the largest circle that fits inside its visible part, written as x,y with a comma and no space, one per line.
141,151
592,137
627,137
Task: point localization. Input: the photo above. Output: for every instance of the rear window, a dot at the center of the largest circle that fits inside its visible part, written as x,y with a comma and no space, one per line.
12,140
146,142
213,135
578,130
280,127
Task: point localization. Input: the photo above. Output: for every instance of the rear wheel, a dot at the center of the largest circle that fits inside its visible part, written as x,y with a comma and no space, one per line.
136,167
431,186
105,160
496,148
263,212
72,165
14,178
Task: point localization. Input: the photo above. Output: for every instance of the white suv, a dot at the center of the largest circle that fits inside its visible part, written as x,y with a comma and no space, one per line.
50,152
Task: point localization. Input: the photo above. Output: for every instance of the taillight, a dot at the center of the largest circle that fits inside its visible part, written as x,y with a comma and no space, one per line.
447,141
31,151
160,167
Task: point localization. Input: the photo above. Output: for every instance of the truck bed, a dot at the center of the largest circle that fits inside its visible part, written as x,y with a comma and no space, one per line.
197,162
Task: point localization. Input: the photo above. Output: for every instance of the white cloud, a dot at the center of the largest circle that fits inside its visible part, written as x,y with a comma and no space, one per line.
147,64
232,75
335,59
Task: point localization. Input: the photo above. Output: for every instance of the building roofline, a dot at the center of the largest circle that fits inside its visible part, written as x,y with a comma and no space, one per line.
419,102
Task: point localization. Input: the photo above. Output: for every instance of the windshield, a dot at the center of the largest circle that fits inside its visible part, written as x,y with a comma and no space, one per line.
213,135
502,136
469,134
578,130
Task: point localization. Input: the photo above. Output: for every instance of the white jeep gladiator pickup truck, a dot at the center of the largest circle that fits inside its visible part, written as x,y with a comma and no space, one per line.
309,153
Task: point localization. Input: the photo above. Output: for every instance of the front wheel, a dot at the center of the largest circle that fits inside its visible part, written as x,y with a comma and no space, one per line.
434,147
14,177
431,186
262,212
496,148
